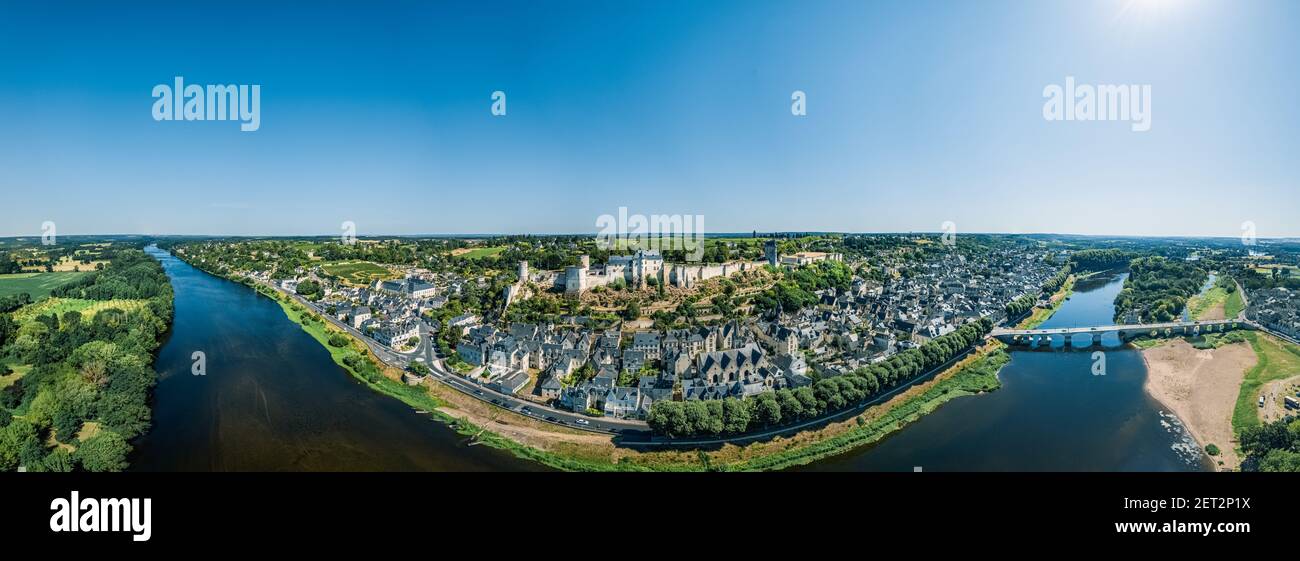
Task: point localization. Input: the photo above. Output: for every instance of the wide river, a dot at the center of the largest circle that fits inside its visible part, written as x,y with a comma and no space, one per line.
272,399
1052,413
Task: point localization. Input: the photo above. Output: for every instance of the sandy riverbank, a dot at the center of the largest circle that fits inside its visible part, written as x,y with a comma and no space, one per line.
1201,387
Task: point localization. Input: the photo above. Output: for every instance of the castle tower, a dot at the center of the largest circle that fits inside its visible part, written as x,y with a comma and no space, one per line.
523,271
585,261
769,251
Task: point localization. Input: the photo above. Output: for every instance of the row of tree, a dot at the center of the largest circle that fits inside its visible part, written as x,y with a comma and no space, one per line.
1101,259
1020,306
732,416
1058,280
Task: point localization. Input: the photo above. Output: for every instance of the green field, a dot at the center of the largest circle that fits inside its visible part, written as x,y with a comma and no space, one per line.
87,308
38,285
1277,360
1233,306
482,252
1198,305
18,371
357,272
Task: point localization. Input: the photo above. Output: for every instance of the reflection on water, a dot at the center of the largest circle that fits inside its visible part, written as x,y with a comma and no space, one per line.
1051,414
273,399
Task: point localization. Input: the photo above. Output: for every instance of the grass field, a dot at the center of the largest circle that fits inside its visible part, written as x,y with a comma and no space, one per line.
478,252
1198,305
1277,360
60,306
38,285
1233,306
357,272
19,370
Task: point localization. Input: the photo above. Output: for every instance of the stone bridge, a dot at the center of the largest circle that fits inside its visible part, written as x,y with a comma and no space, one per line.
1036,337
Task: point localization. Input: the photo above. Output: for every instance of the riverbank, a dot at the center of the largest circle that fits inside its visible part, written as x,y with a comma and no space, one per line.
1278,360
568,449
1200,386
975,375
1041,314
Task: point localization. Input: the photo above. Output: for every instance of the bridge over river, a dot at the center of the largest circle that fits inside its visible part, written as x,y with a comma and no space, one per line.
1035,337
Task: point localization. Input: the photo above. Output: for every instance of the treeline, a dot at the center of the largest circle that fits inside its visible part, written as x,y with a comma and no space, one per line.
1158,288
1272,446
732,416
1021,305
89,377
9,265
1058,280
1101,259
14,301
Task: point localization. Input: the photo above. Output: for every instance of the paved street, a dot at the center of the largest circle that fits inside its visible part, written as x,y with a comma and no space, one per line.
628,430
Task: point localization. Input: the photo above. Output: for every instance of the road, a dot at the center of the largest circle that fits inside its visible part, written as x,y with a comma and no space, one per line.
859,408
636,433
1002,332
627,429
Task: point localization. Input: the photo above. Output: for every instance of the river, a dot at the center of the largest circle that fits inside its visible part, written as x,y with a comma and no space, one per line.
1052,413
273,400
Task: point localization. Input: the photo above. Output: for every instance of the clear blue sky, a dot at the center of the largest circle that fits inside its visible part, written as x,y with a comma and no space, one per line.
918,113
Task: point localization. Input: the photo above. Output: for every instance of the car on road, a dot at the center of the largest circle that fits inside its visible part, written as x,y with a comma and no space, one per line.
583,422
551,419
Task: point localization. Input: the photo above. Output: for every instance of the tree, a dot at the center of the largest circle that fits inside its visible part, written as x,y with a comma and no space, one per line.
105,451
766,409
735,416
124,413
807,401
59,461
67,423
791,407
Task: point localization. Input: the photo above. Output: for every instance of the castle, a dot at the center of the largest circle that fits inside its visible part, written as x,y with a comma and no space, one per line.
636,270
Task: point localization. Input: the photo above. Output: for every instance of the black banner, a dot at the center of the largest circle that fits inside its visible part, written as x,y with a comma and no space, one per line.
240,510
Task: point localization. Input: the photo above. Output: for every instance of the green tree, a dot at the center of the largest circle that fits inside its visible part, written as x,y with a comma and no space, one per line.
735,416
105,451
766,409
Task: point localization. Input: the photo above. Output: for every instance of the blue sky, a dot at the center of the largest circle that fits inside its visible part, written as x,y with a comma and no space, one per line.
918,113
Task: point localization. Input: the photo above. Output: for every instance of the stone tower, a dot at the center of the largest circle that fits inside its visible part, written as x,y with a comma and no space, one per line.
769,251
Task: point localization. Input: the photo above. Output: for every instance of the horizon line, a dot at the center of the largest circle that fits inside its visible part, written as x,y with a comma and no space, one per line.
751,234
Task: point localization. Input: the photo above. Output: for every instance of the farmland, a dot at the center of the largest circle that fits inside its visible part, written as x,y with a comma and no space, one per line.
478,252
38,285
357,272
87,308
